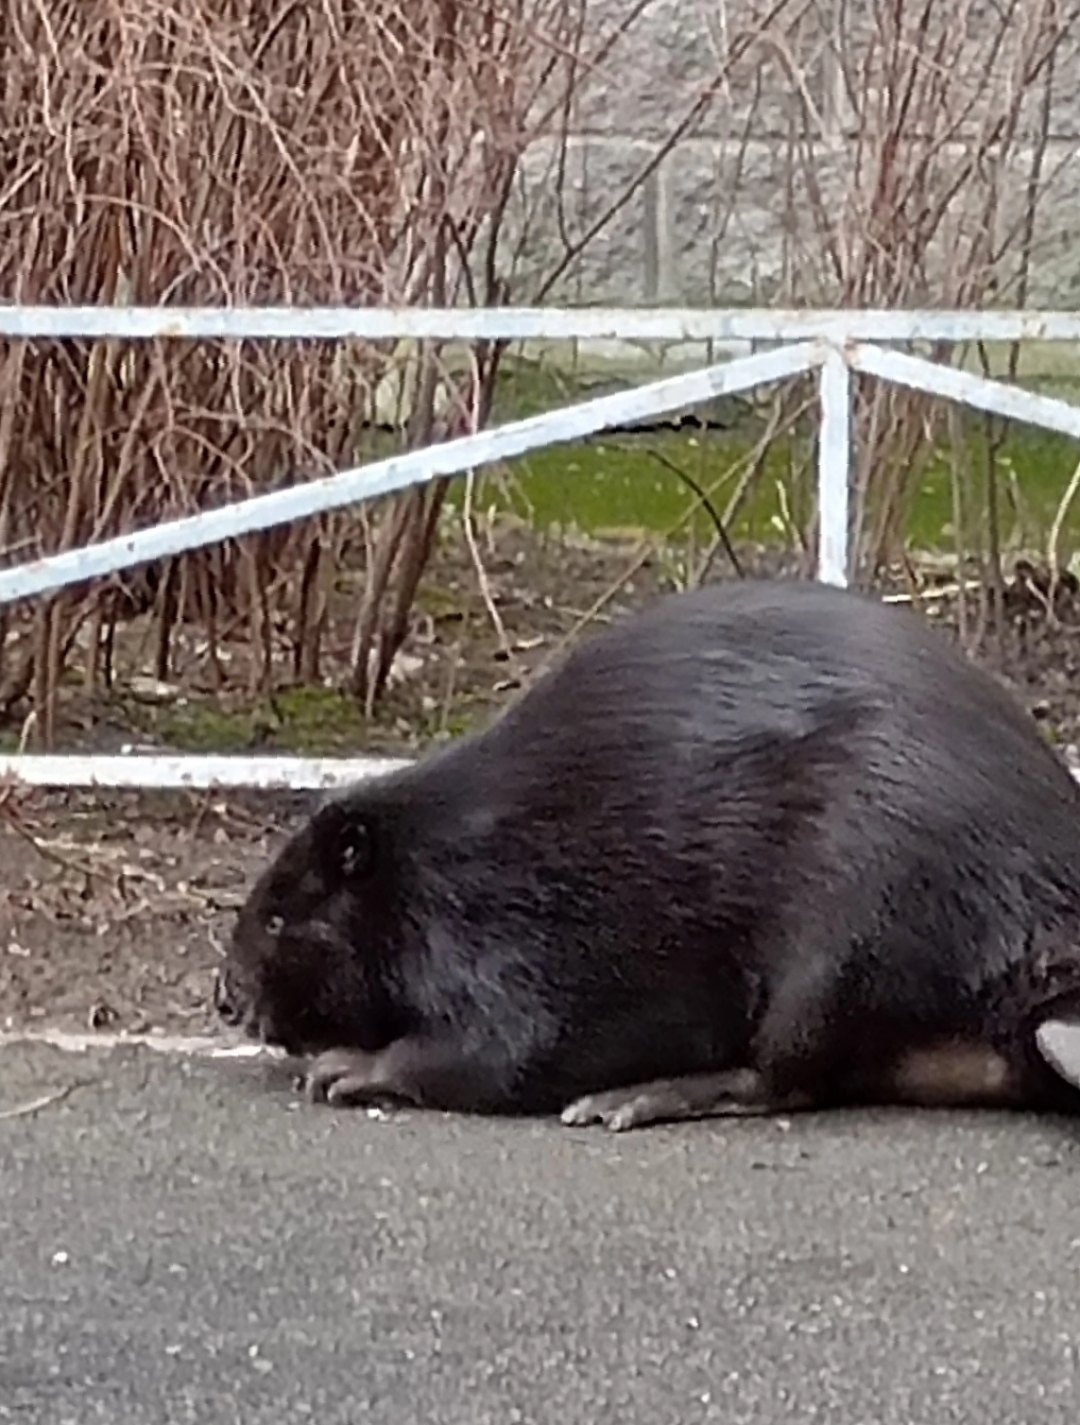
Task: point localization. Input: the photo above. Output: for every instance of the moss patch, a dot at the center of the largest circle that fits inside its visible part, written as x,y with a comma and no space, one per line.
318,721
312,721
201,727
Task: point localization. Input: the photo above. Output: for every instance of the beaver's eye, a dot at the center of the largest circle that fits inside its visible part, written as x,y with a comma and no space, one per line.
275,925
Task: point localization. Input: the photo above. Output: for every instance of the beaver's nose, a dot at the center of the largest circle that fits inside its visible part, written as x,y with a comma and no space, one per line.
225,1001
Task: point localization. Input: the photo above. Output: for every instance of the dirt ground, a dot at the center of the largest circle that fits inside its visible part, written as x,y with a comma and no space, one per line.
114,907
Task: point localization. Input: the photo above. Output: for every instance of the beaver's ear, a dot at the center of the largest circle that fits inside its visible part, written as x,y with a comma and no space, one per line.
344,842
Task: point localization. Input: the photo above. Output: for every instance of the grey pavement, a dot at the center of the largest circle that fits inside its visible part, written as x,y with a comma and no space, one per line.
181,1240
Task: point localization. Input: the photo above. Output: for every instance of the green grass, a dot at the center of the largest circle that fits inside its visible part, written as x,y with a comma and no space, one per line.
625,484
620,486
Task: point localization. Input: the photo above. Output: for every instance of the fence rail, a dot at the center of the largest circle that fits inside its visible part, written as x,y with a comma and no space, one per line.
835,344
385,477
631,324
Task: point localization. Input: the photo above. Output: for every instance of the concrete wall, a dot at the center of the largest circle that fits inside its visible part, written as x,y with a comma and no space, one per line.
728,214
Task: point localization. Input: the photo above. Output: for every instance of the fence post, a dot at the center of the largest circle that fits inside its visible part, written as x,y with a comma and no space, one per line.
834,469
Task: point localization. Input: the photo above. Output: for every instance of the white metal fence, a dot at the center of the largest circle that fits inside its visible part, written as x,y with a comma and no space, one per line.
833,343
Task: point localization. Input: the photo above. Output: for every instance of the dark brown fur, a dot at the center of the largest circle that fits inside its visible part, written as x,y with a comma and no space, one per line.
765,846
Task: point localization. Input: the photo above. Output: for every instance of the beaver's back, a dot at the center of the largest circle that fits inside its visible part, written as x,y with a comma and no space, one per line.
666,703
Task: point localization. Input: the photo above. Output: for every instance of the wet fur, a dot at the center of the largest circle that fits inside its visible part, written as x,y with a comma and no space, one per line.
754,848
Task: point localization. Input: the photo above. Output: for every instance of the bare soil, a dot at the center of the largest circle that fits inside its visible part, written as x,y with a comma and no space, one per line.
114,907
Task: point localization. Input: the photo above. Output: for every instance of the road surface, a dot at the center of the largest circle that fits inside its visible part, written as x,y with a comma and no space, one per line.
182,1241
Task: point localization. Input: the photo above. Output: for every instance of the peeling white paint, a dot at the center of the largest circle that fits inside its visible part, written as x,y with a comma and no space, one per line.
75,1042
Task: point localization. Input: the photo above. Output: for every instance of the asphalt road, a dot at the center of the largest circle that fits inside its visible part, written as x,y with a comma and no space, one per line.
180,1241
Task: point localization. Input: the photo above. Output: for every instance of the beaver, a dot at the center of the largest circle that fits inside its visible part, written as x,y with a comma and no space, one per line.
761,847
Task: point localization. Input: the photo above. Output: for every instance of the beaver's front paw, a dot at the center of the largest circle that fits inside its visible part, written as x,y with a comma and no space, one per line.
343,1078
